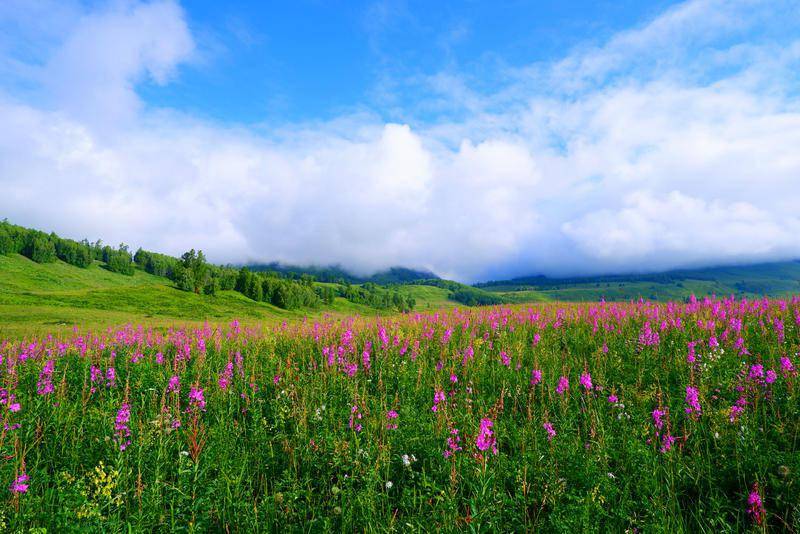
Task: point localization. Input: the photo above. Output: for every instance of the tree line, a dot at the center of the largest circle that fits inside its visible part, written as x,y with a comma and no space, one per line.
192,272
464,294
47,248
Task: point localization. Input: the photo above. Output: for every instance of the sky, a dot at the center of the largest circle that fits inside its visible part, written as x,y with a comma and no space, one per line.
478,140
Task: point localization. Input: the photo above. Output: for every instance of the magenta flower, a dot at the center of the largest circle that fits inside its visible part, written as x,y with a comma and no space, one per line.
737,409
666,443
45,385
563,385
197,399
95,375
692,399
586,381
365,361
505,359
355,416
755,506
658,418
486,438
19,485
174,384
121,430
613,399
391,416
536,376
452,443
691,357
786,366
226,376
548,427
756,372
111,377
437,398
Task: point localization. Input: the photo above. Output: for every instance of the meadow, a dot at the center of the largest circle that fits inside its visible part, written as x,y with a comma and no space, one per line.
605,417
49,298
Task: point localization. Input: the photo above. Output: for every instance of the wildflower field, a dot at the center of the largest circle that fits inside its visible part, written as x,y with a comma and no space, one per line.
604,417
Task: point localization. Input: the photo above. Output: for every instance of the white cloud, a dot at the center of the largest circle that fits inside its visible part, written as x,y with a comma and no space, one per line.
599,162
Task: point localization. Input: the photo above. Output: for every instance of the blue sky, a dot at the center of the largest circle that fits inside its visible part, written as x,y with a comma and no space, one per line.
311,60
476,139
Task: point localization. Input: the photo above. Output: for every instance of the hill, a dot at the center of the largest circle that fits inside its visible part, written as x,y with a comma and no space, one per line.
765,279
338,274
49,283
55,296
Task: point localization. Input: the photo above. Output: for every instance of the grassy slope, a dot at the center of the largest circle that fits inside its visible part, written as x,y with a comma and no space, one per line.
36,298
428,297
774,279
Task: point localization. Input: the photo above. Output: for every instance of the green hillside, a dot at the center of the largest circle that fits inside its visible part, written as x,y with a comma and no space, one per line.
770,279
38,297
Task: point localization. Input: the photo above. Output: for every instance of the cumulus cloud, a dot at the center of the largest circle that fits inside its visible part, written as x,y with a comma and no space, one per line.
673,144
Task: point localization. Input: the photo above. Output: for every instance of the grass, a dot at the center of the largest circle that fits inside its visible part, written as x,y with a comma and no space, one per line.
54,297
428,297
262,430
771,279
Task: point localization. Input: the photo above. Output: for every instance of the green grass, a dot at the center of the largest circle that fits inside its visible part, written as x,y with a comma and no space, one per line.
285,442
53,296
428,297
36,298
770,279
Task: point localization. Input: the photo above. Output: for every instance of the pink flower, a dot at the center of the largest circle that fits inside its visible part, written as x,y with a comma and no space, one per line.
613,399
563,385
174,384
505,359
737,409
586,381
197,399
658,418
786,365
452,443
692,399
548,427
225,376
111,377
666,443
486,438
121,429
756,372
19,485
355,416
755,506
45,385
391,415
536,376
437,398
365,361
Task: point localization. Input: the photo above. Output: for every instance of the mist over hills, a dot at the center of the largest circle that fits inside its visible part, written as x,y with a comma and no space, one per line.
337,273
